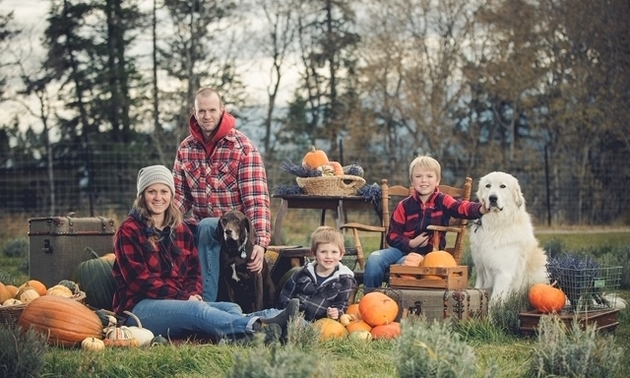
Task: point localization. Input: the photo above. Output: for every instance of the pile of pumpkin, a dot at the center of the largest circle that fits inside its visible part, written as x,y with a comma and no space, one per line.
318,160
434,259
373,317
11,295
69,323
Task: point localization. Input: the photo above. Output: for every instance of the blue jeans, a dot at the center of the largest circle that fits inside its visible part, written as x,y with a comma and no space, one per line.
377,264
174,318
209,257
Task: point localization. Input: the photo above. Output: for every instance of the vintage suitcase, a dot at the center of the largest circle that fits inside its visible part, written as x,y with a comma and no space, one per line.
440,304
58,245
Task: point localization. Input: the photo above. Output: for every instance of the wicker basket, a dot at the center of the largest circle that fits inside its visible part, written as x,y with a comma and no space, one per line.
345,185
9,315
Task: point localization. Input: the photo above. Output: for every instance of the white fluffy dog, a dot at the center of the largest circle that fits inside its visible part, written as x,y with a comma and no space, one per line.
503,246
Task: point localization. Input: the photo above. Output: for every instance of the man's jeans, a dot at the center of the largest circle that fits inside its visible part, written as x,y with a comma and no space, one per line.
174,318
377,264
209,257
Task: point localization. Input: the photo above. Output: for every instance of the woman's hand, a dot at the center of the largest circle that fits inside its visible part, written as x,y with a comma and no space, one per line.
332,312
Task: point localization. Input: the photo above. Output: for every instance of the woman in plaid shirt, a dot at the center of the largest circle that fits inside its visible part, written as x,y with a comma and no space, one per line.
408,226
217,169
158,273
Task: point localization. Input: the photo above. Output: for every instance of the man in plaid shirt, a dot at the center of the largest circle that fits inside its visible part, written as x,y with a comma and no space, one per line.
217,169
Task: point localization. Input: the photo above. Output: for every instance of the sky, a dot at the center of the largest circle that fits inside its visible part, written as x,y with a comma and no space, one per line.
30,15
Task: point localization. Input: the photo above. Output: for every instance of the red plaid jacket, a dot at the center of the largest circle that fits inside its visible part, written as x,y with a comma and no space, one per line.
230,174
411,218
170,270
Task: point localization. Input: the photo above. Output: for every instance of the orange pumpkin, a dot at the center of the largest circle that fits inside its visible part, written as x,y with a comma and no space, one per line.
438,259
13,290
337,168
353,309
413,259
546,298
39,287
359,325
377,309
330,329
4,293
314,158
386,331
63,320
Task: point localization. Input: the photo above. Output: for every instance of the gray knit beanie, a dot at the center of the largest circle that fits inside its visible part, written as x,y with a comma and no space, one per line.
155,174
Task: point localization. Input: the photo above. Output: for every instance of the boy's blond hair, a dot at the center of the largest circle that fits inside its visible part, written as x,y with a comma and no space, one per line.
325,235
426,162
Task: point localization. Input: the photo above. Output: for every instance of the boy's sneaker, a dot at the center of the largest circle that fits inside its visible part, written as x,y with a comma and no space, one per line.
272,332
282,319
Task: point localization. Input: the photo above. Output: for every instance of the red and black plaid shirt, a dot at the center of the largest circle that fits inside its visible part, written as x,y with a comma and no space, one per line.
169,270
411,218
230,175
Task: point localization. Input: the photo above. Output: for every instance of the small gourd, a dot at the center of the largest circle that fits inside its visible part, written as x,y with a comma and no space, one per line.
73,286
159,340
4,293
361,335
92,344
314,158
143,335
27,295
120,337
413,259
60,290
337,168
107,319
11,302
118,333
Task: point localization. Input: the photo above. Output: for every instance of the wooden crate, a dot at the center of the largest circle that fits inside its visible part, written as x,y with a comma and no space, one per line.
603,319
412,277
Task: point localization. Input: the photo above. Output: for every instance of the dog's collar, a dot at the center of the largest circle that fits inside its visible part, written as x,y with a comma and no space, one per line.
242,248
476,224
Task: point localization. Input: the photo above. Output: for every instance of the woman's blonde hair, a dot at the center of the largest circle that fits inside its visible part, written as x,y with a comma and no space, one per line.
325,235
425,162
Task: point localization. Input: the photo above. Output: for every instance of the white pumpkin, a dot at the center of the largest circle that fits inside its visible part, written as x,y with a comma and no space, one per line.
143,335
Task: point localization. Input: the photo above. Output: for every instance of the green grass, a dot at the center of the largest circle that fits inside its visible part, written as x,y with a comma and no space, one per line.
347,359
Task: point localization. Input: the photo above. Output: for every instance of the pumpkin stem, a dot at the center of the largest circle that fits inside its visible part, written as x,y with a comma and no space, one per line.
92,252
134,317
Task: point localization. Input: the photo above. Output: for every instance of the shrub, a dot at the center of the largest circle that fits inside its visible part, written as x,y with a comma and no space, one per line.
574,352
16,247
277,362
22,353
432,350
504,315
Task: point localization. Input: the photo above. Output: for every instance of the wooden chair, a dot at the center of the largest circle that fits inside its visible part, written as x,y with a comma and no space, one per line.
399,192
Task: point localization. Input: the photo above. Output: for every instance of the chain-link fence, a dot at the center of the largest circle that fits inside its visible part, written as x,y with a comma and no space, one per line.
103,181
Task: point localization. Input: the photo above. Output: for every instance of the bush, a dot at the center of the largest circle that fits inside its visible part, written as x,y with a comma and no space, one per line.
276,361
574,352
432,350
16,247
22,353
505,315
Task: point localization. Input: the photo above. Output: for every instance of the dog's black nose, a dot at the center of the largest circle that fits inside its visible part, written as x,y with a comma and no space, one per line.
493,198
228,232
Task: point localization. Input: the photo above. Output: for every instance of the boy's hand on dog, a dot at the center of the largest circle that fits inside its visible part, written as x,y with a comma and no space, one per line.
256,263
